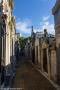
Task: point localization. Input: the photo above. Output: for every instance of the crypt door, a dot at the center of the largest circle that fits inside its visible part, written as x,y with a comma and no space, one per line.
37,54
45,66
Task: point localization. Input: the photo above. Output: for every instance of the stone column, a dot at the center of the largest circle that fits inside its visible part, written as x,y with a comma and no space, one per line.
48,63
42,60
39,55
56,13
35,54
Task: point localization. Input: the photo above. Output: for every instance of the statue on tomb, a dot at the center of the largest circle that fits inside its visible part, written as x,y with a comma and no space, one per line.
46,36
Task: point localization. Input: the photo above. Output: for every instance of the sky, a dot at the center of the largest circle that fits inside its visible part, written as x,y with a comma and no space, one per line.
34,12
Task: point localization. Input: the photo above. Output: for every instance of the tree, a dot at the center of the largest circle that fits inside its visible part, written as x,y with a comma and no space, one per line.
23,41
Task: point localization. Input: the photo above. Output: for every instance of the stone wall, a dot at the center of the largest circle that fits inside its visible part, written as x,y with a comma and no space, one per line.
53,65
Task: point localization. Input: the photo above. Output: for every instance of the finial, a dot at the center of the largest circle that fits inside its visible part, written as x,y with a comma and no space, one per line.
32,29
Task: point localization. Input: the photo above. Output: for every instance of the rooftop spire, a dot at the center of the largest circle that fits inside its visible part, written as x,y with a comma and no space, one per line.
32,29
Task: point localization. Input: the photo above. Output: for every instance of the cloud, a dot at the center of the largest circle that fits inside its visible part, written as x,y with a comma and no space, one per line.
23,26
49,27
45,24
45,18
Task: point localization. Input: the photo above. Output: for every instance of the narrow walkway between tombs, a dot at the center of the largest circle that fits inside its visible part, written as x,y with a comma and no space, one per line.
28,78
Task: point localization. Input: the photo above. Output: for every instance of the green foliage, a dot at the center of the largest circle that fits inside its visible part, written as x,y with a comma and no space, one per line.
23,41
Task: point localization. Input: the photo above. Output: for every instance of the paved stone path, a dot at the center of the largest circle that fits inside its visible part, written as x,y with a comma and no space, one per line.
28,78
